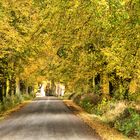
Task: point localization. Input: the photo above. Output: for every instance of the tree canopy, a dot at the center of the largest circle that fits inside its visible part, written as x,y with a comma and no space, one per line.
70,41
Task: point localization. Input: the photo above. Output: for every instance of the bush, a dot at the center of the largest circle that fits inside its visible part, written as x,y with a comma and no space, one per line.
28,96
88,101
92,98
86,105
129,123
103,106
11,101
17,99
69,95
76,98
134,96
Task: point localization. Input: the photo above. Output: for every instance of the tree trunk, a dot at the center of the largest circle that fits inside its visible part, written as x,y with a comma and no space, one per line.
1,92
105,85
5,87
18,86
53,87
93,83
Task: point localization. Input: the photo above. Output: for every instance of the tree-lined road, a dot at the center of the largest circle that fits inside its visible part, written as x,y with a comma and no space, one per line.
45,118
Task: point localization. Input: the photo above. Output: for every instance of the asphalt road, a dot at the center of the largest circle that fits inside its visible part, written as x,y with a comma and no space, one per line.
45,119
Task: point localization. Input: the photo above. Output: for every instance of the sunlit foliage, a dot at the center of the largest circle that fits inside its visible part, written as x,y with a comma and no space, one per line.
71,42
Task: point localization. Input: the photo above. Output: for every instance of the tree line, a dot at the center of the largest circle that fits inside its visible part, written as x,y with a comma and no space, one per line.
90,46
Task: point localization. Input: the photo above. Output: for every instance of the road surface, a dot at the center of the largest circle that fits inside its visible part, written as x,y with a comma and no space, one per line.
45,118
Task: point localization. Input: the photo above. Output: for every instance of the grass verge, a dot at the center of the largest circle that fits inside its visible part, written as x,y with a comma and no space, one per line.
6,113
13,103
95,122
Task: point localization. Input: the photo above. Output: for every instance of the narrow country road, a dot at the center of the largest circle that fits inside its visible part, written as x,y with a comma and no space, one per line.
45,118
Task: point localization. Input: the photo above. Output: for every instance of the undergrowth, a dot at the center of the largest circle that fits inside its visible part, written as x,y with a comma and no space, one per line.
115,112
129,123
11,101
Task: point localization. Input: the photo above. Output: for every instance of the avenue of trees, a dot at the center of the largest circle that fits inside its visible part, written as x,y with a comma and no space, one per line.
92,46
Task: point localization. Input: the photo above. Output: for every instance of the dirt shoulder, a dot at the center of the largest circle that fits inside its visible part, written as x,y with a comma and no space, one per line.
95,123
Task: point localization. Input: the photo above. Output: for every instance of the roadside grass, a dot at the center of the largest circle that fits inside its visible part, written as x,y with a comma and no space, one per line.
95,122
6,113
128,123
112,120
11,104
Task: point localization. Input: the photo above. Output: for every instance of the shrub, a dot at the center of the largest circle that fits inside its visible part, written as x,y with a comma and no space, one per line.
7,103
92,98
17,99
27,96
134,96
11,101
103,106
88,102
86,105
70,95
77,98
129,123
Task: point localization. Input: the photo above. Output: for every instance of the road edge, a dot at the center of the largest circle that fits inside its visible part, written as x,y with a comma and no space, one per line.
102,129
7,113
